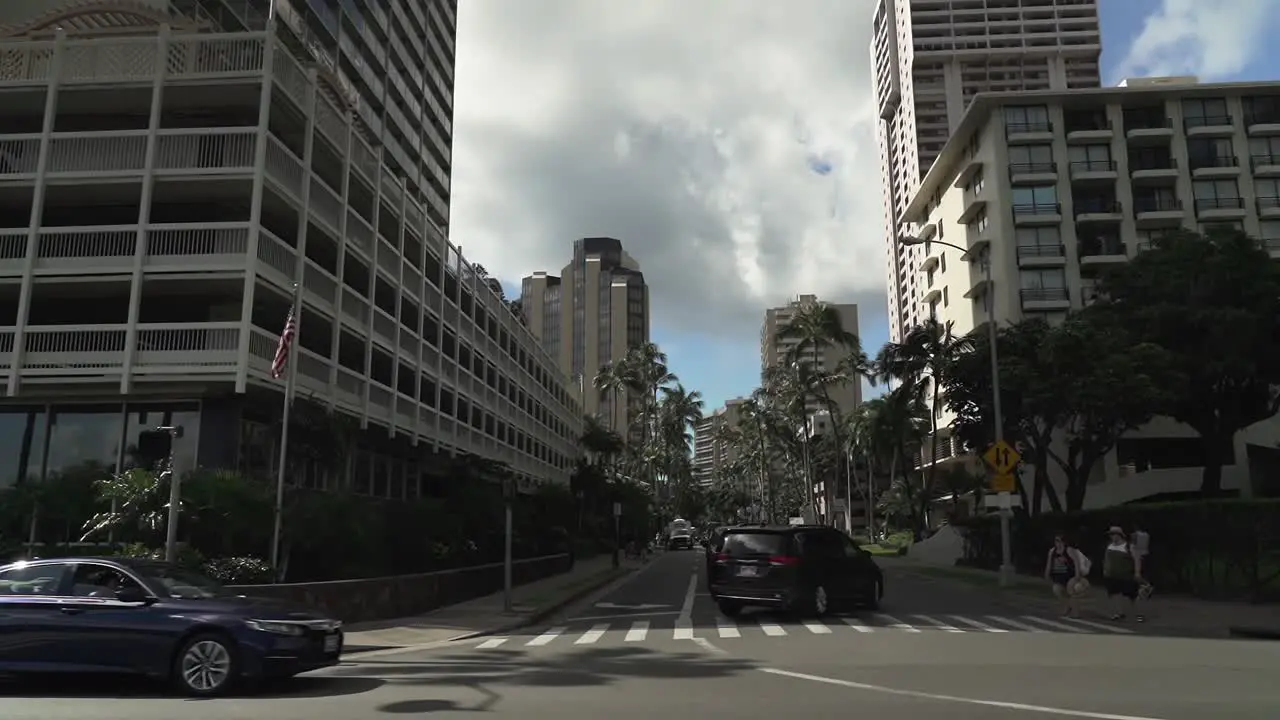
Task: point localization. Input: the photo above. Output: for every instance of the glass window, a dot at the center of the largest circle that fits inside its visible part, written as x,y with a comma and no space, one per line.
1043,279
1030,154
24,579
100,581
85,438
1216,189
1039,237
1269,230
1267,188
1090,153
745,544
1026,115
1038,195
1200,110
22,434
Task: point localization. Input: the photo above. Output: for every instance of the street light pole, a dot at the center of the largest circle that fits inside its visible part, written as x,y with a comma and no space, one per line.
997,410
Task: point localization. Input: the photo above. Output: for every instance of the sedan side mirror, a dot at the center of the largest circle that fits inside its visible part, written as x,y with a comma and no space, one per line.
134,595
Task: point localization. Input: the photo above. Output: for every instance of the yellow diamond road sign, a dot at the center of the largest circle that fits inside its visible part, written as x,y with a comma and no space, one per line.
1002,457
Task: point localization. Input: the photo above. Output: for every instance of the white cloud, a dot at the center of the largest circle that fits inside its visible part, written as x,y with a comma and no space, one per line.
686,128
1213,40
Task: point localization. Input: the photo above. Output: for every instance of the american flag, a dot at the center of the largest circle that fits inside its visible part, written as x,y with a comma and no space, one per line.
281,361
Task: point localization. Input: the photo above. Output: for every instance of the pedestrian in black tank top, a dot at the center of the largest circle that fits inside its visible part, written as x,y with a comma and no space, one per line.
1065,569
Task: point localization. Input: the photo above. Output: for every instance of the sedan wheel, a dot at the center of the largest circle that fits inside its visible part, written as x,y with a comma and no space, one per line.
206,665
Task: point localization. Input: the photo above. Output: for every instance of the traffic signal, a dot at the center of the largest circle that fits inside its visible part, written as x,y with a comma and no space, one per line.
154,447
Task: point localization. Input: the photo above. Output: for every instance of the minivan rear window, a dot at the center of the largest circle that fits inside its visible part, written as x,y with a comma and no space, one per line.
745,544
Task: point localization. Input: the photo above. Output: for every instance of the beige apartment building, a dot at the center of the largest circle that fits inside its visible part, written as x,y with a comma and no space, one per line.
1048,188
774,347
710,453
930,59
589,316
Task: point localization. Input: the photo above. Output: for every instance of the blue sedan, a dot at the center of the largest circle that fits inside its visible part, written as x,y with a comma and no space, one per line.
98,615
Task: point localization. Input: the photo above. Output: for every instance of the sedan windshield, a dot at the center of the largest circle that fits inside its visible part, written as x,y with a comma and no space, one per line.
180,583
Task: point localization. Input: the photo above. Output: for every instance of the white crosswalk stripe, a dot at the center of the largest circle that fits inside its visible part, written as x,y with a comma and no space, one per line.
636,631
639,630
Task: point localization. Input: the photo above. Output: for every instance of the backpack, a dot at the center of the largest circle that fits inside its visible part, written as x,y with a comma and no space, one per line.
1083,563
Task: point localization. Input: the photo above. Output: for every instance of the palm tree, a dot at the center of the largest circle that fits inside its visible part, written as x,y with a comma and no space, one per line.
899,422
920,362
817,327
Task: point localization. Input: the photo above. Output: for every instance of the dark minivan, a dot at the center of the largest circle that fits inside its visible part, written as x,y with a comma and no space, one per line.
808,569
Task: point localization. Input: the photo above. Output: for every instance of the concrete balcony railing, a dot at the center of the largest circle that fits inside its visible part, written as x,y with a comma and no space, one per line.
111,249
124,152
164,349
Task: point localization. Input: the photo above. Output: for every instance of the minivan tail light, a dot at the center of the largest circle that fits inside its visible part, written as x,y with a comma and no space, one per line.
783,560
722,557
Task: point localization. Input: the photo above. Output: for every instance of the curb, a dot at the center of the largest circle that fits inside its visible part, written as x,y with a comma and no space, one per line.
545,612
1255,633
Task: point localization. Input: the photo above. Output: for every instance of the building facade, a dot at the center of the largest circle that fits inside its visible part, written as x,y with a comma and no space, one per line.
588,317
1047,189
929,59
775,347
711,453
167,190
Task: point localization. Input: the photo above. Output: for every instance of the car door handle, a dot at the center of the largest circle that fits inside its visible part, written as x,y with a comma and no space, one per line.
71,610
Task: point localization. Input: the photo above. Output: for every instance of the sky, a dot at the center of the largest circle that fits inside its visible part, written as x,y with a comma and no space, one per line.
732,151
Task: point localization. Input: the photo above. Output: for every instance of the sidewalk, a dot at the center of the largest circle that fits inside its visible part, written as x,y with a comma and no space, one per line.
1164,612
531,603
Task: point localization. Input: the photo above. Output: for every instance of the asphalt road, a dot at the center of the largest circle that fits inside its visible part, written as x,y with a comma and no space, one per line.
654,645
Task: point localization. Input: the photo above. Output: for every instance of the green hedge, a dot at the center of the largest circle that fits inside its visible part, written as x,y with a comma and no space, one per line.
1222,549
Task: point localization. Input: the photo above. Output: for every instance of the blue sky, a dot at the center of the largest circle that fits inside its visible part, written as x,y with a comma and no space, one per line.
723,369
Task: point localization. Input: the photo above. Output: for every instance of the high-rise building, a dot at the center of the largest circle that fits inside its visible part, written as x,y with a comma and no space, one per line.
589,316
711,453
776,346
177,182
1049,189
929,59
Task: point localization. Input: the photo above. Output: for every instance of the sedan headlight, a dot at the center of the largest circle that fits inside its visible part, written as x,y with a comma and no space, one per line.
276,628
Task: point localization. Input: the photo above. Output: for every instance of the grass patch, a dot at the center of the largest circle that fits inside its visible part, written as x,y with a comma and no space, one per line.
554,595
979,578
893,545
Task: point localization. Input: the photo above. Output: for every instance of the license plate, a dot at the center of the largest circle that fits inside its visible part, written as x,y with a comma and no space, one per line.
331,643
747,571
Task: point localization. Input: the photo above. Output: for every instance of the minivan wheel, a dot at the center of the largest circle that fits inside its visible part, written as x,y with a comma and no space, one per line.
206,665
728,608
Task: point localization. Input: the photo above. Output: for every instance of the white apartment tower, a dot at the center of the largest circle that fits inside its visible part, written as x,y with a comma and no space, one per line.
930,57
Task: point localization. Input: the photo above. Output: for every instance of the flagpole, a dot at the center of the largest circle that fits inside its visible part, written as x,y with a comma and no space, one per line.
289,386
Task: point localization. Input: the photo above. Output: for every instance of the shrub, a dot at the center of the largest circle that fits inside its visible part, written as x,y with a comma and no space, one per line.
240,571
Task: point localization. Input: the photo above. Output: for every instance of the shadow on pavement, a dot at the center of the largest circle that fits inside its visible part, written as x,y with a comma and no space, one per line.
484,672
133,687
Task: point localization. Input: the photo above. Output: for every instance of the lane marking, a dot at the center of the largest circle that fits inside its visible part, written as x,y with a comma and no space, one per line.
1053,624
491,643
546,637
639,630
684,623
1099,626
593,635
857,624
897,624
816,627
727,628
974,623
1024,707
939,624
705,644
1015,624
771,629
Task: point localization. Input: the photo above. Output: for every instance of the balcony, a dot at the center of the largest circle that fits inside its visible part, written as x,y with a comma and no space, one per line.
112,249
1044,299
1028,132
1086,171
1042,255
1101,250
55,354
1220,208
1261,124
1097,210
1148,128
1153,170
1208,125
1215,166
122,154
1037,213
1266,165
1033,173
1088,127
1151,212
1268,207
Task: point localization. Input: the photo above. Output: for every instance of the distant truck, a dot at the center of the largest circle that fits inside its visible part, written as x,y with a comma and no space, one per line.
680,535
